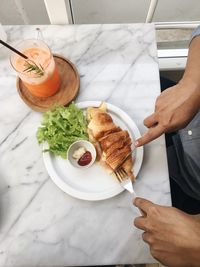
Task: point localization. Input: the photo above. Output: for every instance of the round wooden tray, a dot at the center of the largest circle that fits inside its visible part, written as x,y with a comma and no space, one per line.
69,88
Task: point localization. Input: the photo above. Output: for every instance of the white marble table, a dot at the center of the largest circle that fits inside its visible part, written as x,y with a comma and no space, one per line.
39,224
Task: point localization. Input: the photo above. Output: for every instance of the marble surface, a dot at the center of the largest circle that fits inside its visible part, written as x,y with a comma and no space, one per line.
39,224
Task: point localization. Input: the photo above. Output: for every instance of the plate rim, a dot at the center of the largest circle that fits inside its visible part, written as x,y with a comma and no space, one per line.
85,195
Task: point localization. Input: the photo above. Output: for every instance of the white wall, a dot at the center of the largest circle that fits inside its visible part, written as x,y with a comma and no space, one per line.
23,12
177,10
114,11
99,11
109,11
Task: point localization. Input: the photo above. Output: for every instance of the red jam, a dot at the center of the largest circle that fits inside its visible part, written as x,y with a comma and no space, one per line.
85,159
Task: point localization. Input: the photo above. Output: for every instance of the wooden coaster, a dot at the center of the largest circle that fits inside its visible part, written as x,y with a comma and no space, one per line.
69,88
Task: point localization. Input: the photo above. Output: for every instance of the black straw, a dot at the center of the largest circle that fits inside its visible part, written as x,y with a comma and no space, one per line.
13,49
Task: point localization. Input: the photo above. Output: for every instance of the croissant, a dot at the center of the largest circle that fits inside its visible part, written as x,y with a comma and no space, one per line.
113,144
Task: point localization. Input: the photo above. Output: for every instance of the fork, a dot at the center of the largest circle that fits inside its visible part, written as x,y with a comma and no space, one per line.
124,180
126,183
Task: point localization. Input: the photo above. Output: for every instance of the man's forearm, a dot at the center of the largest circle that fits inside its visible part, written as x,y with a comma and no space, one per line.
196,217
191,77
192,70
177,105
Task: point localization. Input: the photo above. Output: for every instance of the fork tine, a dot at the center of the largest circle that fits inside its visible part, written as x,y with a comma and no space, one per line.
124,179
120,174
117,174
124,172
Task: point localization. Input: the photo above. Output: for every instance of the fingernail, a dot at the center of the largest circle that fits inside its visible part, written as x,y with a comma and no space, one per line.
136,143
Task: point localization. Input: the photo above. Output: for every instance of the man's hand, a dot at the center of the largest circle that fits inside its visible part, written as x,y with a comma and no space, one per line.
173,236
174,109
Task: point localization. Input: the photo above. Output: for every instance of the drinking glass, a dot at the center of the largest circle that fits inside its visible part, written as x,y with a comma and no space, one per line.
39,72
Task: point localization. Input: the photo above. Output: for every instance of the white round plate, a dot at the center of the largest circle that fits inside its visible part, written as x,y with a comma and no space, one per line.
93,183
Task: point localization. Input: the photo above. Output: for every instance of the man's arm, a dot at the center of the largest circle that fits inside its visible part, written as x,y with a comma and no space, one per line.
196,217
192,70
173,236
177,105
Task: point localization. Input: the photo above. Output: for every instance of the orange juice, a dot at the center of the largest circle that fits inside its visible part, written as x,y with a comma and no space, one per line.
41,85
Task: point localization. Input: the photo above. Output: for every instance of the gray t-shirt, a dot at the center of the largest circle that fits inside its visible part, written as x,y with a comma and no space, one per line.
185,154
184,158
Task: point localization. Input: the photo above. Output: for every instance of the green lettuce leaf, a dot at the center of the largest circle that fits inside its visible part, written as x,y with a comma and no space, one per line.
61,127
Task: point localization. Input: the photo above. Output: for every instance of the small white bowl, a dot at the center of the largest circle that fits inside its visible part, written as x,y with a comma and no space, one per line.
76,145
